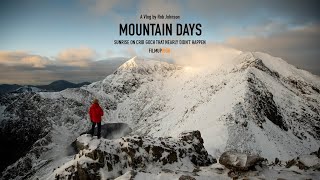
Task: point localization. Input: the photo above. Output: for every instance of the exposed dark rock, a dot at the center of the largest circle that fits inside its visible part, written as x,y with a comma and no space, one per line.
305,162
186,177
190,136
302,86
200,157
234,174
300,165
315,89
135,152
317,153
290,163
261,103
90,172
258,64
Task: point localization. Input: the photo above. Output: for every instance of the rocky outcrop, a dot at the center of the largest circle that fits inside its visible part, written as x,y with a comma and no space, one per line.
112,130
112,158
200,155
305,162
239,161
261,104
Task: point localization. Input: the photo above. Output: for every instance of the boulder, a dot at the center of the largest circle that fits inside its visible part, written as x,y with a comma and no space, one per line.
239,161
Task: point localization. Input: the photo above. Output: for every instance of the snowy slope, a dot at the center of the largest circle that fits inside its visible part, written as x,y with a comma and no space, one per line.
260,104
24,89
257,104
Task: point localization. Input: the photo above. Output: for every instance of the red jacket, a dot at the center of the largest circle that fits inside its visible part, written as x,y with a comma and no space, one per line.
95,113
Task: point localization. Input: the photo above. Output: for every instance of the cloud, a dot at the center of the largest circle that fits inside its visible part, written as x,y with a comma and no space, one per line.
73,64
125,51
211,56
296,10
298,46
130,52
22,58
266,27
76,56
103,7
227,18
20,74
35,61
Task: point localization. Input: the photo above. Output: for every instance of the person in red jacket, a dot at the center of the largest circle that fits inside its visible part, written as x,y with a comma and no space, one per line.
95,113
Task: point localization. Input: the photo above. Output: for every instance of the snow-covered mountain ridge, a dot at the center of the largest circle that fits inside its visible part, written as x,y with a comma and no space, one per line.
142,66
257,104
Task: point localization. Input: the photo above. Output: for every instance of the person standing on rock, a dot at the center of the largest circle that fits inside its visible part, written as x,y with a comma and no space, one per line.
96,113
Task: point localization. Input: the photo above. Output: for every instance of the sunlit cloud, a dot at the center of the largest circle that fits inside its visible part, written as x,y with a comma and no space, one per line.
72,64
211,56
77,56
103,7
22,58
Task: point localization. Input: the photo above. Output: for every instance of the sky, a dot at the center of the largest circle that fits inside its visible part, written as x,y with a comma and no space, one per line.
42,40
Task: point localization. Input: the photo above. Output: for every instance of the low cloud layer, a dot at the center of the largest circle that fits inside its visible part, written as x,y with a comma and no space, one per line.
77,56
298,46
296,11
75,65
22,58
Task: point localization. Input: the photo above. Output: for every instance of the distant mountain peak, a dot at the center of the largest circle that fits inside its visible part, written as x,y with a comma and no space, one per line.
131,63
145,66
24,89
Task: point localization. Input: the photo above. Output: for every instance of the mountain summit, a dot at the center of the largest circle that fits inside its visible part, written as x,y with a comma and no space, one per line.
145,66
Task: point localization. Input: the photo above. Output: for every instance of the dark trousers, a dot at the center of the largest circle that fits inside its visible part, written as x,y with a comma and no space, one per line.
99,129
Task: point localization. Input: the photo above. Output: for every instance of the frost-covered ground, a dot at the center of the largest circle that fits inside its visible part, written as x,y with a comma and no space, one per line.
255,103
